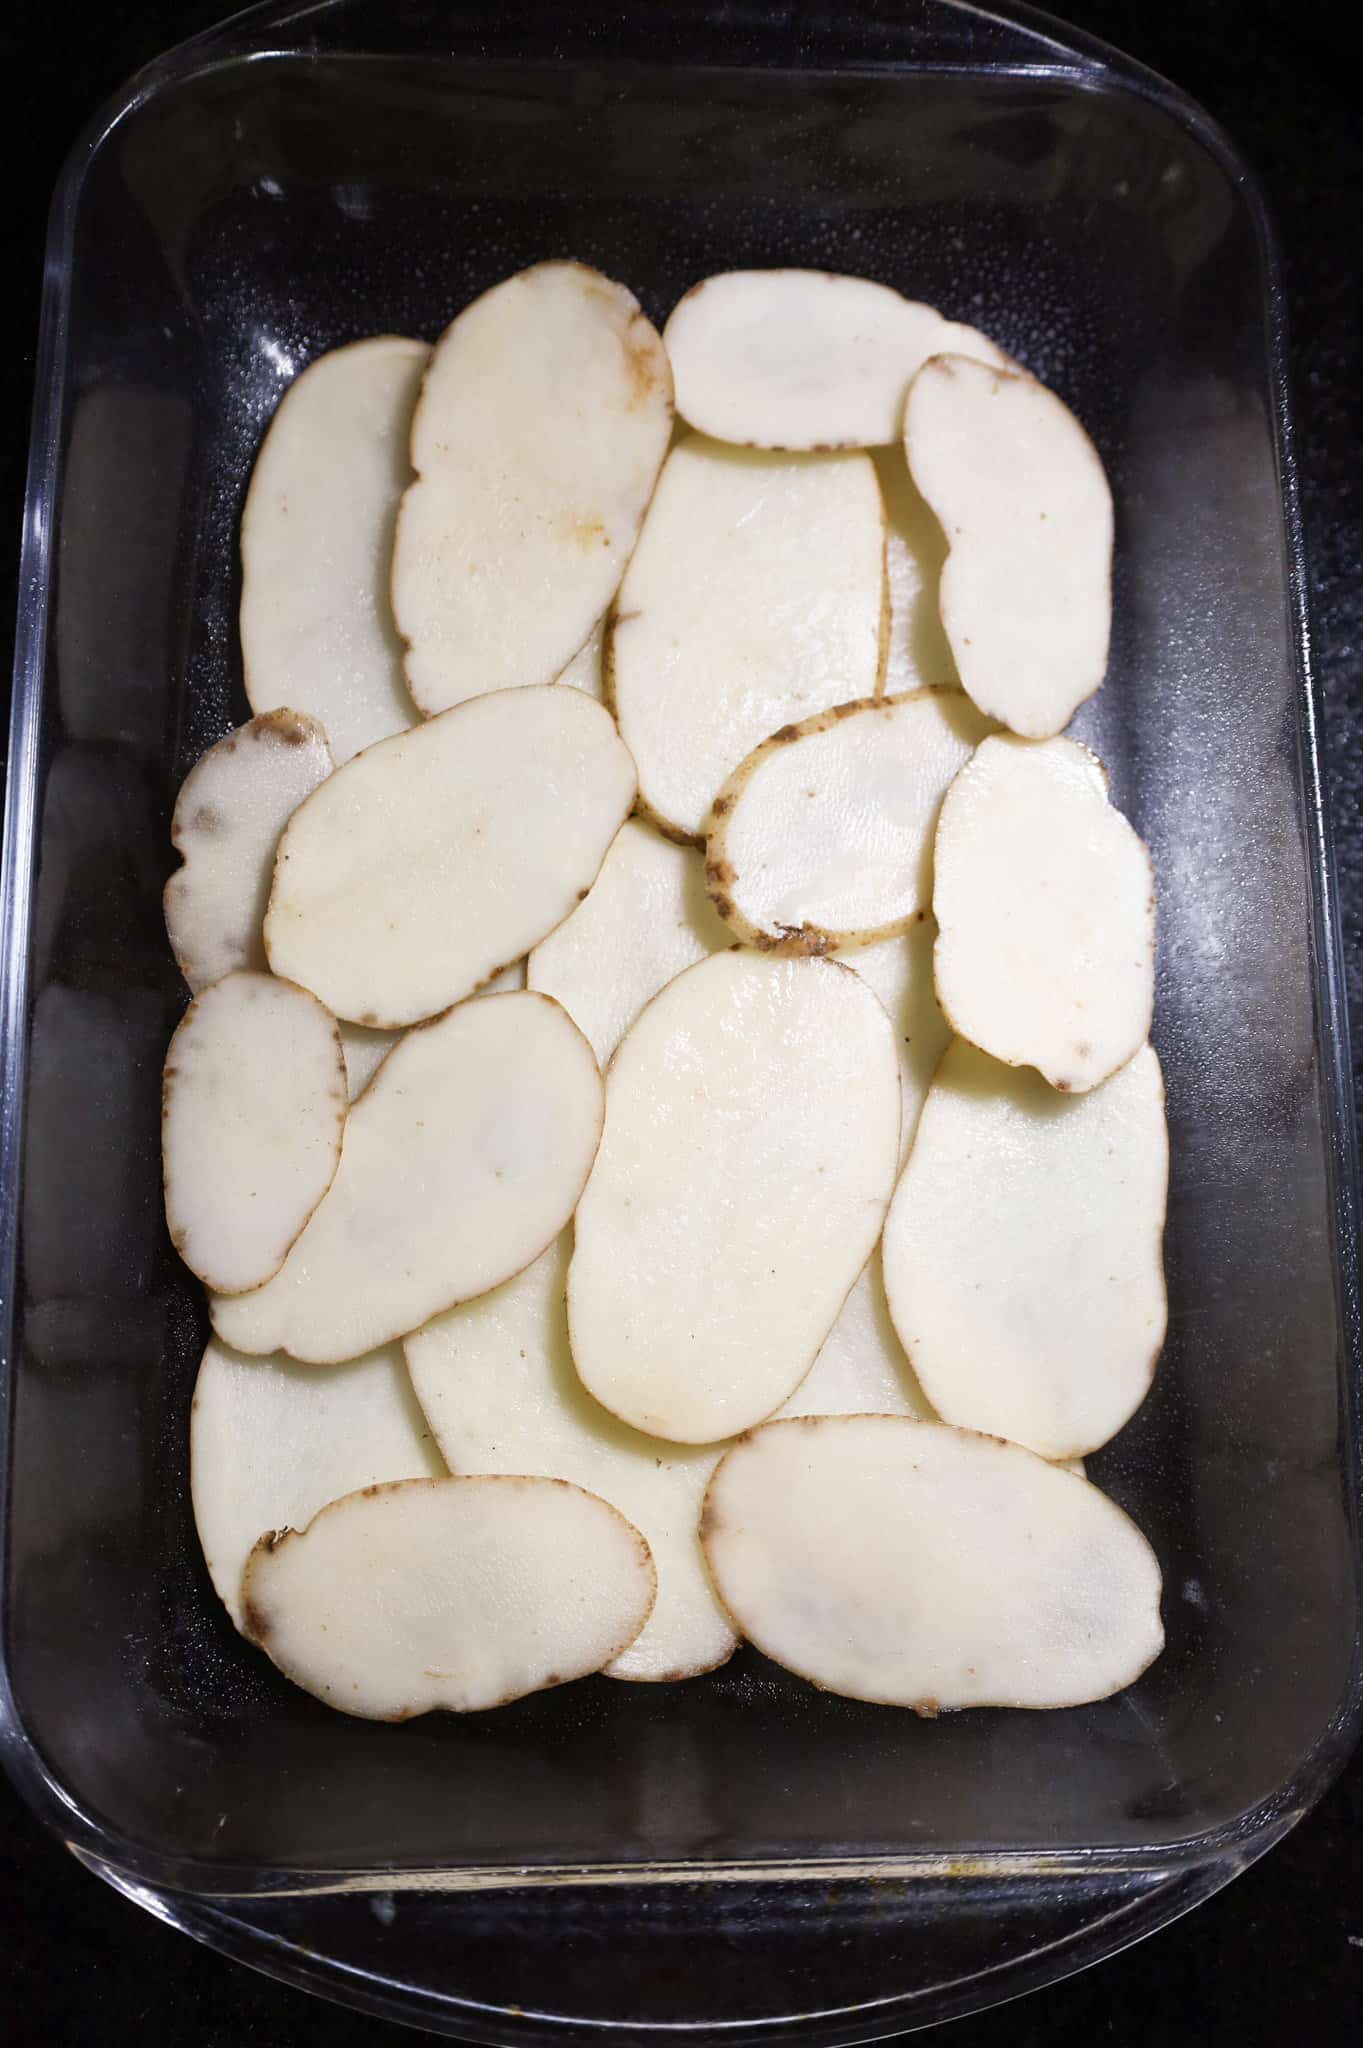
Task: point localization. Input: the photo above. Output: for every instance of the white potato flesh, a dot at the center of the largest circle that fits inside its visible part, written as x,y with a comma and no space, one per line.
645,918
1045,905
915,550
919,1566
750,1145
317,627
429,863
1023,1251
584,671
861,1369
271,1442
899,970
1026,592
756,596
542,423
804,359
495,1379
232,807
253,1106
463,1159
365,1048
454,1593
822,837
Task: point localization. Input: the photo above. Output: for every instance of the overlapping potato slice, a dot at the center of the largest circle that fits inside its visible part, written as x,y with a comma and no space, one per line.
899,970
366,1048
861,1368
584,671
915,549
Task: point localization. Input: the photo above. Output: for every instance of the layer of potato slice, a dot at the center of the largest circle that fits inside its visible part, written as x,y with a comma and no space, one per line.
756,596
454,1593
1025,594
1022,1250
804,359
861,1368
495,1379
915,549
365,1048
426,865
463,1159
919,1566
317,626
899,970
1045,906
253,1105
232,807
584,671
750,1145
543,420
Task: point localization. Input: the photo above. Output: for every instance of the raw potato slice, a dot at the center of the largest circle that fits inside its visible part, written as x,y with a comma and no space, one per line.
270,1443
750,1145
365,1048
253,1105
1022,1251
463,1159
496,1381
1045,908
584,671
317,626
542,424
1026,593
427,864
900,972
925,1567
823,836
804,359
455,1593
915,549
861,1369
232,807
756,596
646,917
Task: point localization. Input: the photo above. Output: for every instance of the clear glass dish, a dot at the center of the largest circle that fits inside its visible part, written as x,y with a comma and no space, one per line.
740,1853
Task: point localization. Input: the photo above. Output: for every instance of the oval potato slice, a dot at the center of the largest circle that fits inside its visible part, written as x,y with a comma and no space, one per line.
750,1145
537,441
463,1159
919,1566
426,865
454,1593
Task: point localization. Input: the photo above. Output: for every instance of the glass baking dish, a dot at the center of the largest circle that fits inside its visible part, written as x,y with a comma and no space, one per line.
740,1853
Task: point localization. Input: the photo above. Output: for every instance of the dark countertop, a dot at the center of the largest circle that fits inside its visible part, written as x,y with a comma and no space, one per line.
1278,1958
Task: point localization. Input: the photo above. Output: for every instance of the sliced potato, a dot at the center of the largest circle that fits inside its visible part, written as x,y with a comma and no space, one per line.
584,671
861,1369
496,1381
900,972
1026,593
454,1593
427,864
366,1048
253,1105
915,549
1045,906
1022,1251
750,1144
463,1159
542,423
756,596
926,1567
317,627
232,807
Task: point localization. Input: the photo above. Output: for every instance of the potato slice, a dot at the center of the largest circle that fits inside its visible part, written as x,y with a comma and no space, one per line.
1026,593
915,550
232,807
253,1105
750,1144
1045,905
756,596
1022,1251
427,864
496,1381
900,972
803,359
822,837
454,1593
926,1567
463,1159
542,424
366,1049
317,627
861,1369
584,671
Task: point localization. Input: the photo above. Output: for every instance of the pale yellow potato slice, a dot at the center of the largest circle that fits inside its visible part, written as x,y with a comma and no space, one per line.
899,970
495,1379
915,549
425,866
1023,1251
454,1593
253,1106
750,1145
365,1048
542,423
861,1368
584,671
317,626
463,1159
919,1566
